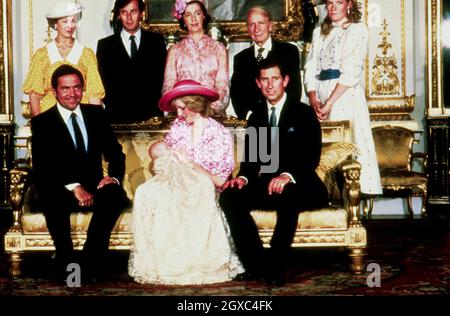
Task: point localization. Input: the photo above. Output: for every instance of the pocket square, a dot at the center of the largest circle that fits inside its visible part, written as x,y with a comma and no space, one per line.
291,129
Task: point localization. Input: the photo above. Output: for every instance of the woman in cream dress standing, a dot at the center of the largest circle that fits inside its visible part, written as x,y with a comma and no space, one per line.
333,72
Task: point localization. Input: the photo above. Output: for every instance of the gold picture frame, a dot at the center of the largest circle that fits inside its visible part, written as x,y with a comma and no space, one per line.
436,34
288,28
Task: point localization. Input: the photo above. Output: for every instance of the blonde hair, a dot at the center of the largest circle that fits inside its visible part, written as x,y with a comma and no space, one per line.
196,103
354,16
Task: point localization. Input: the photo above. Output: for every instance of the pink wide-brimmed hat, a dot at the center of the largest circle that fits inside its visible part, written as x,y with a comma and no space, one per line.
186,87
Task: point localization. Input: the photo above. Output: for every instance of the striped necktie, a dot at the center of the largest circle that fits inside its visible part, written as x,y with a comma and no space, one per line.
259,57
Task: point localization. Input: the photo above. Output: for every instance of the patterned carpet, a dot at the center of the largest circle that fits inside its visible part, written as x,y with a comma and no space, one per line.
413,261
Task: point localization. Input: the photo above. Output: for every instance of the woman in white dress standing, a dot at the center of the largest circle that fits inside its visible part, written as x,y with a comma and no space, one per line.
333,72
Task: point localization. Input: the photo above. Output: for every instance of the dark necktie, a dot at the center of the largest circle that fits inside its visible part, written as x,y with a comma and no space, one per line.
273,117
133,47
273,124
81,149
259,57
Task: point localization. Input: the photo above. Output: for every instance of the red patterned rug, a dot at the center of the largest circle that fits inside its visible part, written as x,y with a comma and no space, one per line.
411,263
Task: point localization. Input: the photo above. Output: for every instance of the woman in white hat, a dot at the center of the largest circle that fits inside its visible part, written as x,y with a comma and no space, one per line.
64,49
197,57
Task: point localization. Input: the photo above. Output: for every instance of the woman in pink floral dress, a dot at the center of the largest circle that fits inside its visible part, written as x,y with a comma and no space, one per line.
180,234
197,57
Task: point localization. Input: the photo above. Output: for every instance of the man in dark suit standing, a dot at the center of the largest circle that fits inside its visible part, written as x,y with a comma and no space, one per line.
68,143
289,185
245,95
131,64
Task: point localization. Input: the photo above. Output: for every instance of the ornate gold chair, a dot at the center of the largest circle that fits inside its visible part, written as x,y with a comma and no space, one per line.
335,226
394,147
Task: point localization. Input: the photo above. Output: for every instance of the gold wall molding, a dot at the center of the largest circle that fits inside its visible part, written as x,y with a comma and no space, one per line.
30,27
2,62
384,75
435,99
394,97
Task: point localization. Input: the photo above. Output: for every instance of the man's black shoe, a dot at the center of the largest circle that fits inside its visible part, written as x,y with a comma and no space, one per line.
94,276
58,277
276,280
247,276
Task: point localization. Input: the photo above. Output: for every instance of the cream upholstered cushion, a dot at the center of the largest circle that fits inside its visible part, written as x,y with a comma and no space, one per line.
79,222
325,218
403,178
332,155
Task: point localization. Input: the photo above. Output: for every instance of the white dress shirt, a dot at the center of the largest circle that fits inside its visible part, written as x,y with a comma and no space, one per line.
127,42
65,114
278,107
267,48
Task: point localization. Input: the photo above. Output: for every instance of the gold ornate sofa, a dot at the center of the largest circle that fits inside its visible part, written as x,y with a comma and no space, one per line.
335,226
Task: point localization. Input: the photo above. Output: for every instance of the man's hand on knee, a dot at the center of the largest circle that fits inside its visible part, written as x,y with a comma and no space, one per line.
278,184
107,180
238,182
84,198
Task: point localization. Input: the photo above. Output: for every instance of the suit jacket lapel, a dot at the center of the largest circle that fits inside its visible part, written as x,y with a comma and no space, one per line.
122,50
251,56
284,113
60,125
142,42
89,126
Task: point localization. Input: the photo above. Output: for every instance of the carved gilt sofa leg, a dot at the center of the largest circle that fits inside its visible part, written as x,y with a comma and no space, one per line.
357,256
15,264
19,182
357,235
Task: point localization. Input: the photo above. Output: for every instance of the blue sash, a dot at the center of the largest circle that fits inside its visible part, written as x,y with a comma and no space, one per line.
328,74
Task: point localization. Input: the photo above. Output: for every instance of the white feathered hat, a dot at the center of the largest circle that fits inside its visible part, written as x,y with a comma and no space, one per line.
65,8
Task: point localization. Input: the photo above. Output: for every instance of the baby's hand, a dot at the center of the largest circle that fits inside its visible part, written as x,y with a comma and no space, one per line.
182,156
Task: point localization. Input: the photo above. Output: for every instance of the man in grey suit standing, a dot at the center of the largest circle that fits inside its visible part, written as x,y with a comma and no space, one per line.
245,94
131,64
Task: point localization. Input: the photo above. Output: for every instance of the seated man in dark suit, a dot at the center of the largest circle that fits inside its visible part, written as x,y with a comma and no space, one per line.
131,64
68,143
244,93
289,184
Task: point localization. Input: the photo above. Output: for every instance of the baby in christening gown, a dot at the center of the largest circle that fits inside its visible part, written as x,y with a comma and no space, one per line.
180,233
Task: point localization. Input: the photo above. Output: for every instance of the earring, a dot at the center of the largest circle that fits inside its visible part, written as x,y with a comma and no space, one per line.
56,26
348,11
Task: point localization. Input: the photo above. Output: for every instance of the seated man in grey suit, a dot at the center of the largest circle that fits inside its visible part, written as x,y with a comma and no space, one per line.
131,64
245,94
69,141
